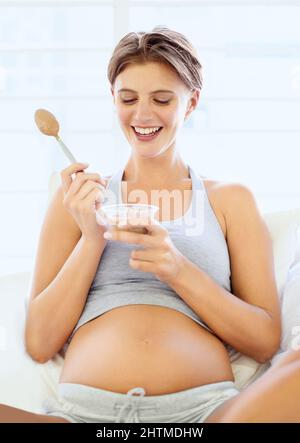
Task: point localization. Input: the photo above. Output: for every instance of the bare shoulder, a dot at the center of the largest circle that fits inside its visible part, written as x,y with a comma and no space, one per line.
226,189
228,199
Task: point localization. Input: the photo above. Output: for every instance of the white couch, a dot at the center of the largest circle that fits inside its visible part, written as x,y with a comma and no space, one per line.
25,383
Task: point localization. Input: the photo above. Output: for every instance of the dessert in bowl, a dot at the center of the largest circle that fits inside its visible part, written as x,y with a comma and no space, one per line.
128,217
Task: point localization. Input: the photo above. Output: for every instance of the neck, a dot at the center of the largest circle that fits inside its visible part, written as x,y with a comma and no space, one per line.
159,172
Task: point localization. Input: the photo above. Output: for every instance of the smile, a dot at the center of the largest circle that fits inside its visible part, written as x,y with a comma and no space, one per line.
147,137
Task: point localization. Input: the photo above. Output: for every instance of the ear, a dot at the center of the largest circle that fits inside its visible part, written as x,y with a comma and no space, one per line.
192,103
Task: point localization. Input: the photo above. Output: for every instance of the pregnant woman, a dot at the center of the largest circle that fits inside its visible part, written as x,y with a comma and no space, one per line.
149,323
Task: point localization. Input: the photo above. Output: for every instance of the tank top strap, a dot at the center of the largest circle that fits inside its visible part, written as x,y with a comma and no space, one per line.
197,182
114,186
198,196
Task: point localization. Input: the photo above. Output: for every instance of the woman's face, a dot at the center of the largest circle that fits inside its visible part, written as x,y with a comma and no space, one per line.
152,95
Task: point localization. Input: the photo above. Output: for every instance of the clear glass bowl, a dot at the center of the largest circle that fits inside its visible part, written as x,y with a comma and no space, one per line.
127,216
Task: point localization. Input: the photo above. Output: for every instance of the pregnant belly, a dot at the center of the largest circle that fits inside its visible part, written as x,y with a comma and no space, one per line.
157,348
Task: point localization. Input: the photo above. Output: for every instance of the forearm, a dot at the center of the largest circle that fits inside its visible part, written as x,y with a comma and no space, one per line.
247,328
53,314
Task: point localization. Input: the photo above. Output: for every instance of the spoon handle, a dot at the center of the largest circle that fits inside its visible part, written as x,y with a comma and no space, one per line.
66,150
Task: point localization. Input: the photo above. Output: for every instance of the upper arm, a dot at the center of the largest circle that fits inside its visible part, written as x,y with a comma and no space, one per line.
251,253
58,236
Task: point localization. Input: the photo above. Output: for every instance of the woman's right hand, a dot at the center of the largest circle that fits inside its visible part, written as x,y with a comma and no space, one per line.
82,198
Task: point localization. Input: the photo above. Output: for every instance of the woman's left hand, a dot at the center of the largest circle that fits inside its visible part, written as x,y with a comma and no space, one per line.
158,255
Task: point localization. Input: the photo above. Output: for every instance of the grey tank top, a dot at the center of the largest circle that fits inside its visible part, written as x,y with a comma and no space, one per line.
197,235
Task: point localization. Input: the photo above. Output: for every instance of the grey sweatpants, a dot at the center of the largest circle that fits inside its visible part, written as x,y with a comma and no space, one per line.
84,404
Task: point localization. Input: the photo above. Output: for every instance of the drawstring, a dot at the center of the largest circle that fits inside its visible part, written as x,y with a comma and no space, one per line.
133,411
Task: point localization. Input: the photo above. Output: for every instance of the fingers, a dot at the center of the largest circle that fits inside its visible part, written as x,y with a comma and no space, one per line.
90,199
133,238
85,205
144,254
71,186
151,224
83,180
87,187
66,174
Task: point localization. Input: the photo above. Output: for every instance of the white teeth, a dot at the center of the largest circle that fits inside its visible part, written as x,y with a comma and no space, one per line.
146,130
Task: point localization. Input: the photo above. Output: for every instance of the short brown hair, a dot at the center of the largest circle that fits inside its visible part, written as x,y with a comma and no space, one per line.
160,45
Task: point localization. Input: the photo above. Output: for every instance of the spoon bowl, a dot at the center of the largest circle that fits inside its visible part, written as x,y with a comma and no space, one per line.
48,125
46,122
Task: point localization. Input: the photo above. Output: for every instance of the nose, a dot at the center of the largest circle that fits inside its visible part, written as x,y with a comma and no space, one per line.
143,112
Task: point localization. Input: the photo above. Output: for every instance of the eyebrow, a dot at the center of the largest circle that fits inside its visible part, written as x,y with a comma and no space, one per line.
153,92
